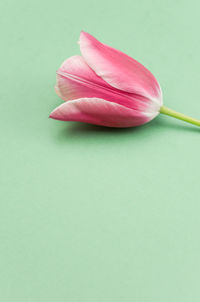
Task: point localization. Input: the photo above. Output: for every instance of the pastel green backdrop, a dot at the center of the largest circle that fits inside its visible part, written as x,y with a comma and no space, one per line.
88,213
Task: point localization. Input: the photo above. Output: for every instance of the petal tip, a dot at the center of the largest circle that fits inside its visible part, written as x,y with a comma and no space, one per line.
85,36
82,34
52,115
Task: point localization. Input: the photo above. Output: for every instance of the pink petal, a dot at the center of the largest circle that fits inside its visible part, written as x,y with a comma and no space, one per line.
75,79
100,112
77,67
118,69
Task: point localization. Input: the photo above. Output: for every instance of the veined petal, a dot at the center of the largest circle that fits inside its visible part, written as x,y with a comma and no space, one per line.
75,79
77,67
100,112
118,69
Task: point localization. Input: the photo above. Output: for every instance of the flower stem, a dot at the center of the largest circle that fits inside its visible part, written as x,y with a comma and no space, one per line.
180,116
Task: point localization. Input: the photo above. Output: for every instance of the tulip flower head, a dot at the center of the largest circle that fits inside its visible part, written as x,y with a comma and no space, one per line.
106,87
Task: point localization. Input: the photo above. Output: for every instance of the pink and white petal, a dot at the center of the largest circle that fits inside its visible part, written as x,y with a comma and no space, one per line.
69,88
100,112
76,66
118,69
75,79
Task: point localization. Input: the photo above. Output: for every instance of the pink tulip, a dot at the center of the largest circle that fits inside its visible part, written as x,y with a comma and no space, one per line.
106,87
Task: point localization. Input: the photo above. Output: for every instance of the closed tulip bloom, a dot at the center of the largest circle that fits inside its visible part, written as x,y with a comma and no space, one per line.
106,87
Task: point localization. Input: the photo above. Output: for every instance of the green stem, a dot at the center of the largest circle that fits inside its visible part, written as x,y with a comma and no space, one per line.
180,116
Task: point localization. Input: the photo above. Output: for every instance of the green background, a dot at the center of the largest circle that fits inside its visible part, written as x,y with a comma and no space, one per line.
89,214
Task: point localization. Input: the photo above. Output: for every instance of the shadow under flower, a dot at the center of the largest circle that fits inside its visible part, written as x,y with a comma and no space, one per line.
76,131
76,128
